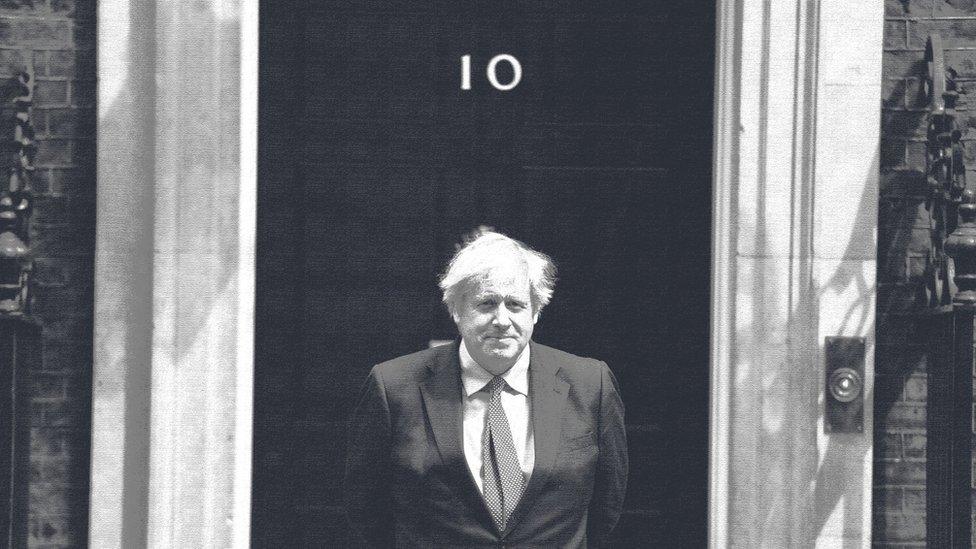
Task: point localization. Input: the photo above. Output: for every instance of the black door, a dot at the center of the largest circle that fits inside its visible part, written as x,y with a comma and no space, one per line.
374,162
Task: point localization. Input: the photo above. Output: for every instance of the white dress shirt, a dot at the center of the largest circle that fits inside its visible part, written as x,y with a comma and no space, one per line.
515,402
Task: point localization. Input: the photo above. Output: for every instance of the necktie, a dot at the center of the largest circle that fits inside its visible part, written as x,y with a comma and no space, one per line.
502,478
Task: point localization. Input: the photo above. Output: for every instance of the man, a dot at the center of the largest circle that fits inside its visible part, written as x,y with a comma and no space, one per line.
494,440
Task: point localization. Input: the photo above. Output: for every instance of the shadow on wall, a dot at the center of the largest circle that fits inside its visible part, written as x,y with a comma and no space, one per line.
897,223
843,457
823,472
130,186
820,481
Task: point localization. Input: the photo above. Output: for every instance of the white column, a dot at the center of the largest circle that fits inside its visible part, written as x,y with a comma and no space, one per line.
797,126
174,273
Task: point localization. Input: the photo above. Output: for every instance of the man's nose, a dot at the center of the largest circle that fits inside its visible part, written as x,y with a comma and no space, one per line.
502,316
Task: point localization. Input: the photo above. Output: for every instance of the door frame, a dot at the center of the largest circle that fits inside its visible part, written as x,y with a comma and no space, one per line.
135,362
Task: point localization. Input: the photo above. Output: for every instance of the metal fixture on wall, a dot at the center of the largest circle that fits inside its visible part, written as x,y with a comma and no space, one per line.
844,379
945,170
950,325
16,200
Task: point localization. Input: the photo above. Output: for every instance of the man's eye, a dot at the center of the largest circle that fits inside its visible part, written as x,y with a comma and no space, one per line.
515,305
487,303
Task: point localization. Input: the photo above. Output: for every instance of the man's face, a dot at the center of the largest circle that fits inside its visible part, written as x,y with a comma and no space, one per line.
495,317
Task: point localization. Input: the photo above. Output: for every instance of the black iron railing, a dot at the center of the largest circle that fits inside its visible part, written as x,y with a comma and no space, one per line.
951,326
19,332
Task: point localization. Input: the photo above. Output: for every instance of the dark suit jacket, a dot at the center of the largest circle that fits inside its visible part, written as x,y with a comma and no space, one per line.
408,485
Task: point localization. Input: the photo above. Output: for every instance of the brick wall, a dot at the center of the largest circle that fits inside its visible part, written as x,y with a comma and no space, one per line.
903,233
53,40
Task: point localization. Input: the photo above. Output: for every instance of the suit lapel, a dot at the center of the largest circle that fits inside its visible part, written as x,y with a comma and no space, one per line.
442,400
548,395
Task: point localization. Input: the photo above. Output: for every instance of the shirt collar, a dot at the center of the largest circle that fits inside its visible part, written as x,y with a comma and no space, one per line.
474,377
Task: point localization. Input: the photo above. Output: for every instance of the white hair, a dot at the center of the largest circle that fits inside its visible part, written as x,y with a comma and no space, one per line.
488,250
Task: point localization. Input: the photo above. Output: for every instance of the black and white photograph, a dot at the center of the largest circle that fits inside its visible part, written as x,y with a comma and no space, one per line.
435,274
565,148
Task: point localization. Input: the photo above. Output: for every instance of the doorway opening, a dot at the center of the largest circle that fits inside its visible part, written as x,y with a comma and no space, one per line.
374,161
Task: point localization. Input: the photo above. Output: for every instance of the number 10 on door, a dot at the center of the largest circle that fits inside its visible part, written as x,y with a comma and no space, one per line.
491,72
